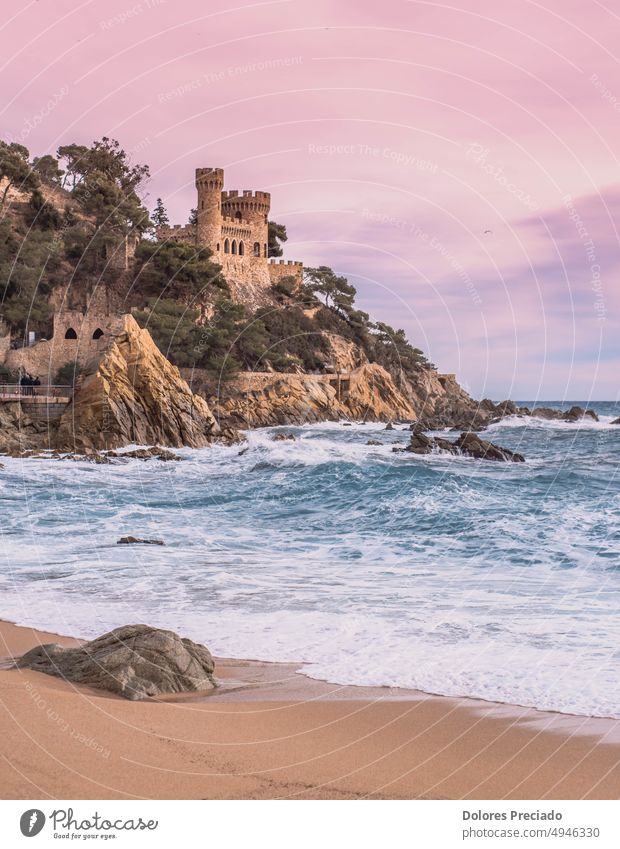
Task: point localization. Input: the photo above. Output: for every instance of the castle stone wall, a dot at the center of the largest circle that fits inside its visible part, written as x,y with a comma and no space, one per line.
278,269
94,330
234,226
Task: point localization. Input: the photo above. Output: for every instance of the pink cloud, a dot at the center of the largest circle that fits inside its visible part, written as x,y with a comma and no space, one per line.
391,139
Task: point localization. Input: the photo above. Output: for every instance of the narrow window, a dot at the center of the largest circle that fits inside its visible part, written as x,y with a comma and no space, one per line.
234,246
256,248
241,249
226,247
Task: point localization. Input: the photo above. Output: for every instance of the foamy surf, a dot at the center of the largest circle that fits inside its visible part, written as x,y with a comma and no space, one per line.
445,574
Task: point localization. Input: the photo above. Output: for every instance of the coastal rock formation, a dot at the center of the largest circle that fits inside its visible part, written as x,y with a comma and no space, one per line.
134,395
135,661
139,541
18,432
468,444
575,414
440,401
368,393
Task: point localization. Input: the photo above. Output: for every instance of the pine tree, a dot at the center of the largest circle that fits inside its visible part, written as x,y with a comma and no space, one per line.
160,216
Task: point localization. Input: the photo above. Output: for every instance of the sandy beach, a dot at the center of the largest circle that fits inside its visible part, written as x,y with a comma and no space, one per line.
270,732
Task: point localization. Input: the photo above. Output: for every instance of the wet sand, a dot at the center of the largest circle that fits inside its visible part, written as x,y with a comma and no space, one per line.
270,732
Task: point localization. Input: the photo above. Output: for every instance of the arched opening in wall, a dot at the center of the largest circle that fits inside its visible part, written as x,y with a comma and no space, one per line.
233,248
241,249
256,248
98,333
226,247
70,334
238,215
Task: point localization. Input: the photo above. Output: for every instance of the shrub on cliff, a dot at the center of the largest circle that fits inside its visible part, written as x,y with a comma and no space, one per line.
16,170
293,337
173,328
175,270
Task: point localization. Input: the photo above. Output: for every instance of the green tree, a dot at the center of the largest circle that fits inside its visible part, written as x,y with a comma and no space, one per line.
30,266
173,328
160,216
42,214
276,234
395,352
336,290
48,169
74,156
218,336
106,186
15,169
176,269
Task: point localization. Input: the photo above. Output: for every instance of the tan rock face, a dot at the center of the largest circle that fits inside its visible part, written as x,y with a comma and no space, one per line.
367,394
134,395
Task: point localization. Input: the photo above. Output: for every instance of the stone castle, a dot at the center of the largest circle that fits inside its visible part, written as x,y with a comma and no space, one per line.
234,226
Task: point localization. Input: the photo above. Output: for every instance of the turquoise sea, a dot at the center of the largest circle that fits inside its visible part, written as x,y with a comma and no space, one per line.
447,574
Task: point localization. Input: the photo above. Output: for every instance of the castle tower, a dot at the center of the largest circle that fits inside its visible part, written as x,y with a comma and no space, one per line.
209,184
251,208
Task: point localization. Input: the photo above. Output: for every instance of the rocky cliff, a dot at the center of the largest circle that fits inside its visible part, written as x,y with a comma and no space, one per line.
134,395
367,393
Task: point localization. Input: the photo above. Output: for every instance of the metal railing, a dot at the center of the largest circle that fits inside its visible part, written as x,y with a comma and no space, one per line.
45,390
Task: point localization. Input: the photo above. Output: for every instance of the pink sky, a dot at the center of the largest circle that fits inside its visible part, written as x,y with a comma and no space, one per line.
391,136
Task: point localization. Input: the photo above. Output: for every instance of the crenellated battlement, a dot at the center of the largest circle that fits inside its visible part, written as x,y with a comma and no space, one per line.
233,224
205,175
247,194
285,262
177,233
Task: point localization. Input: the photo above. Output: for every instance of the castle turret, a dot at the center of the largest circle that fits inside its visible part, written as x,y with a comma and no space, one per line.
251,208
209,184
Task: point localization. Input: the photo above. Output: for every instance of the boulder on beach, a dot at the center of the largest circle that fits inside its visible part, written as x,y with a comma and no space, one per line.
134,661
283,436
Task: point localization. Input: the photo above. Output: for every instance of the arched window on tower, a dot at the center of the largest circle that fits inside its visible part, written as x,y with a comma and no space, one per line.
226,247
256,248
241,249
98,333
70,334
233,247
238,215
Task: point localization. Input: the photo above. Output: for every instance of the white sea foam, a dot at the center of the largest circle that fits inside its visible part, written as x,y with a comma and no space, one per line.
449,575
